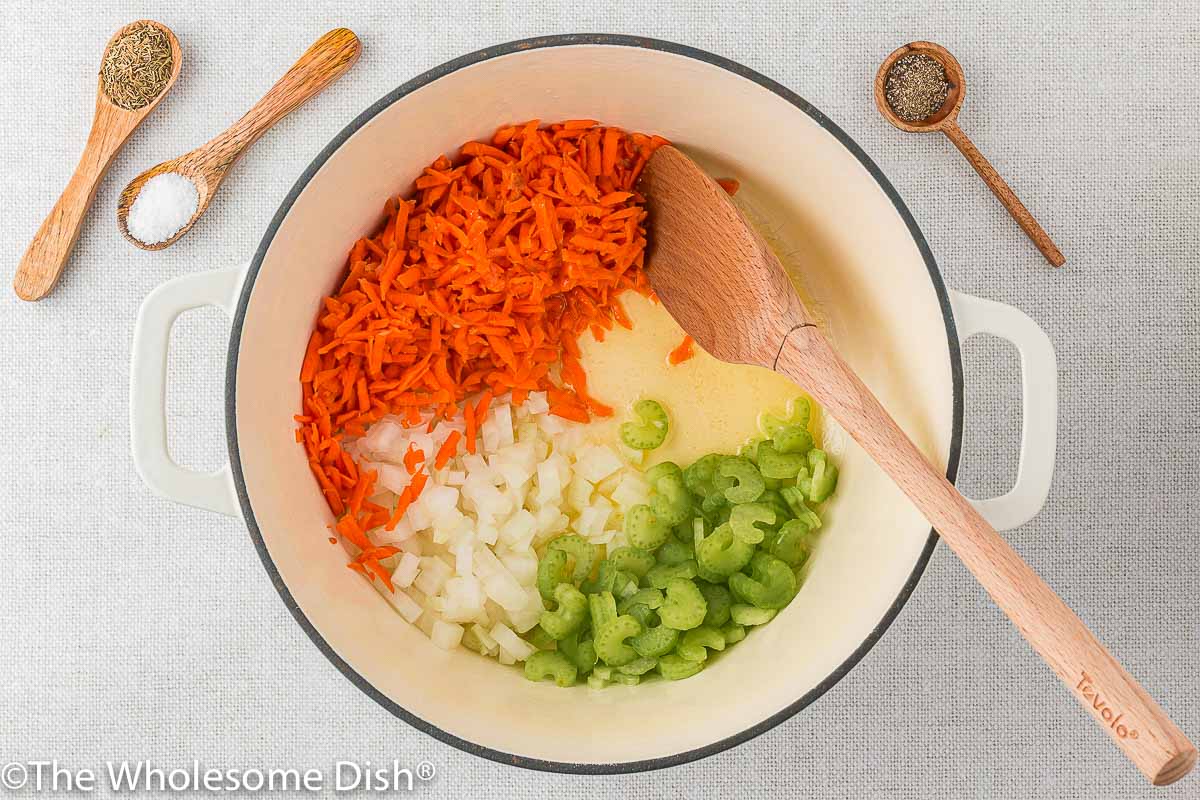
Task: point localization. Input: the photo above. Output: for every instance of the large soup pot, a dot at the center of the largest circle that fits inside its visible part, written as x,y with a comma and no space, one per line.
866,266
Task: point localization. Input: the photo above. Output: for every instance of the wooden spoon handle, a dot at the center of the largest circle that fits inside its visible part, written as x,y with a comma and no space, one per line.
322,64
1005,194
1110,694
47,254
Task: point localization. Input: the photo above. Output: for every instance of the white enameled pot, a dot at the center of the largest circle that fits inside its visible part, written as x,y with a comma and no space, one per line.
866,265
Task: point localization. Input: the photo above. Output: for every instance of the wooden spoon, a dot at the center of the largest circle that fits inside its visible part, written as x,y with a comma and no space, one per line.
726,287
945,120
207,165
112,125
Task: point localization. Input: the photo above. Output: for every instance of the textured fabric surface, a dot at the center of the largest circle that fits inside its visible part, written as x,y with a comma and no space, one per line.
134,628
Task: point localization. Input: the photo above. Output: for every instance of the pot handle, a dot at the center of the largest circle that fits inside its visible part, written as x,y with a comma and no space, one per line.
213,491
1039,405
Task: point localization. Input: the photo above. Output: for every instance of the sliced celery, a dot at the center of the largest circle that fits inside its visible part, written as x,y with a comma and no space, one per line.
610,640
743,614
792,439
675,552
699,476
655,642
603,610
632,559
569,616
771,583
748,483
793,543
650,598
672,503
781,466
582,552
744,518
639,666
644,529
674,668
550,664
661,470
823,477
722,554
552,570
650,431
733,633
684,606
697,642
718,600
663,574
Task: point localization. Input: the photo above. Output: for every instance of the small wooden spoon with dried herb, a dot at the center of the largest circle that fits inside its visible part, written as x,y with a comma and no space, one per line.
140,64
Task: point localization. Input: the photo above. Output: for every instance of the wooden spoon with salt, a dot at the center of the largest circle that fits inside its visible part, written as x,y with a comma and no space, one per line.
206,166
726,287
112,124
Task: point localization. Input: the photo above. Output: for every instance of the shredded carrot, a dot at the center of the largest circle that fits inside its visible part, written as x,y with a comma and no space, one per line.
405,500
348,527
472,428
571,412
367,563
730,185
413,459
683,352
418,484
476,286
361,489
481,407
447,450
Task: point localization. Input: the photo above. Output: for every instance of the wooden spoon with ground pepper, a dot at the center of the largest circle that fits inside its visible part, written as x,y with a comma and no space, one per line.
920,88
140,65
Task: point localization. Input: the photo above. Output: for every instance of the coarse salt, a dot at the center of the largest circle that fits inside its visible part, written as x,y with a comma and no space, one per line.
163,206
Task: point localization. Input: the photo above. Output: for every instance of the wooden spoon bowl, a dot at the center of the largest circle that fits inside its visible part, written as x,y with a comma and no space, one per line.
195,167
206,166
945,116
112,125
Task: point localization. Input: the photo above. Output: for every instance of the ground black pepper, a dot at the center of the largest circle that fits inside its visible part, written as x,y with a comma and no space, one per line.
916,87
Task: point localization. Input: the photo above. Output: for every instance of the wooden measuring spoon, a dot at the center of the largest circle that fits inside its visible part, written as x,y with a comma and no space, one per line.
945,120
112,125
702,248
207,165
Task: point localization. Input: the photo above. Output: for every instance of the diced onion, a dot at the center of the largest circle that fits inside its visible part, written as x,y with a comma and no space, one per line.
406,571
510,642
595,462
470,542
631,491
446,635
408,608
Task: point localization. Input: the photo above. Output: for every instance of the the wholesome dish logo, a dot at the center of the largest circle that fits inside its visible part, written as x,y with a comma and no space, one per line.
1107,713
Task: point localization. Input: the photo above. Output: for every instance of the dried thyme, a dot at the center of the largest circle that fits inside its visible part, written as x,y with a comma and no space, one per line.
916,87
137,67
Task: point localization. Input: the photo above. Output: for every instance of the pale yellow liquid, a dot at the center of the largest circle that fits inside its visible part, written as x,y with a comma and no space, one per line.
713,406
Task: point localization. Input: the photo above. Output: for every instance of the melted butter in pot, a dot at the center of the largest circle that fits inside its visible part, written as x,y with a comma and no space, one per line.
713,406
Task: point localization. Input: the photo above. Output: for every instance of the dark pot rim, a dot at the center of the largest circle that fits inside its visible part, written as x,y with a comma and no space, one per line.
231,404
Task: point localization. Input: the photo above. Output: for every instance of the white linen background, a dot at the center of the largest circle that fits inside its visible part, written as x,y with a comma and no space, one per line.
134,628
